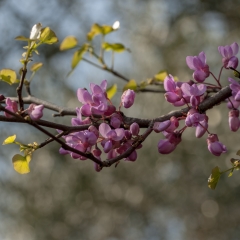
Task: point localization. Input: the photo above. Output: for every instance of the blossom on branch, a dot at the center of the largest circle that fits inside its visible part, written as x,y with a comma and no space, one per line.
228,53
198,64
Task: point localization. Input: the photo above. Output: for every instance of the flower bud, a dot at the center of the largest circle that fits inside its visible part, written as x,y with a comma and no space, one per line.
35,111
161,126
127,98
214,146
134,129
234,120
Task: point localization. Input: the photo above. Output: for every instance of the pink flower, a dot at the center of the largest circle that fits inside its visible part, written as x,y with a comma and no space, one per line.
134,129
35,111
214,146
127,98
193,118
228,53
95,103
10,106
168,145
198,64
234,120
110,136
201,127
173,93
161,126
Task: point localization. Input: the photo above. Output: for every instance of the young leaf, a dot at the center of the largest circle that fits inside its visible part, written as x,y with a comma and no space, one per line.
116,47
77,56
68,43
21,163
106,29
161,76
8,75
22,38
9,140
231,173
214,177
48,36
95,30
130,85
36,66
111,91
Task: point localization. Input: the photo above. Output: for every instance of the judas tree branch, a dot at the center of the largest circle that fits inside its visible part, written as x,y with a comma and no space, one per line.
143,123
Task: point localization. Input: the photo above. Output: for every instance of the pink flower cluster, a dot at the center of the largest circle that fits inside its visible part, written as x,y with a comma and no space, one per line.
34,111
113,137
109,134
192,94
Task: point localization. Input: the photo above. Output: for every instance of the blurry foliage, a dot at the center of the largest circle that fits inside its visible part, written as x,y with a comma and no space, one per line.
157,197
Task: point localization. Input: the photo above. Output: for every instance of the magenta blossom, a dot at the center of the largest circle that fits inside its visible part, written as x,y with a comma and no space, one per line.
35,111
234,120
166,146
194,92
193,118
134,129
10,106
173,93
161,126
78,121
110,136
214,146
228,53
198,64
127,98
201,127
95,103
235,87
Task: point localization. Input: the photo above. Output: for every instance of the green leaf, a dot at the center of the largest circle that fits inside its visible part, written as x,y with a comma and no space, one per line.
68,43
22,38
95,30
214,177
116,47
77,56
130,85
9,140
21,163
106,29
8,75
111,91
48,36
161,76
231,173
36,66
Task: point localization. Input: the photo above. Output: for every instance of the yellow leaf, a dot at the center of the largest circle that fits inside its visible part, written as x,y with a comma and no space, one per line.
77,56
95,30
116,47
36,66
68,43
22,38
107,29
111,91
130,85
8,75
21,163
9,140
48,36
161,76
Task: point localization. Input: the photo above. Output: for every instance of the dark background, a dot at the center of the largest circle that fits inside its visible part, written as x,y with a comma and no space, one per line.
157,197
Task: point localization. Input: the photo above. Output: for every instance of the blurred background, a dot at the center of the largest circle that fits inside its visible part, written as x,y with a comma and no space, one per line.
156,197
